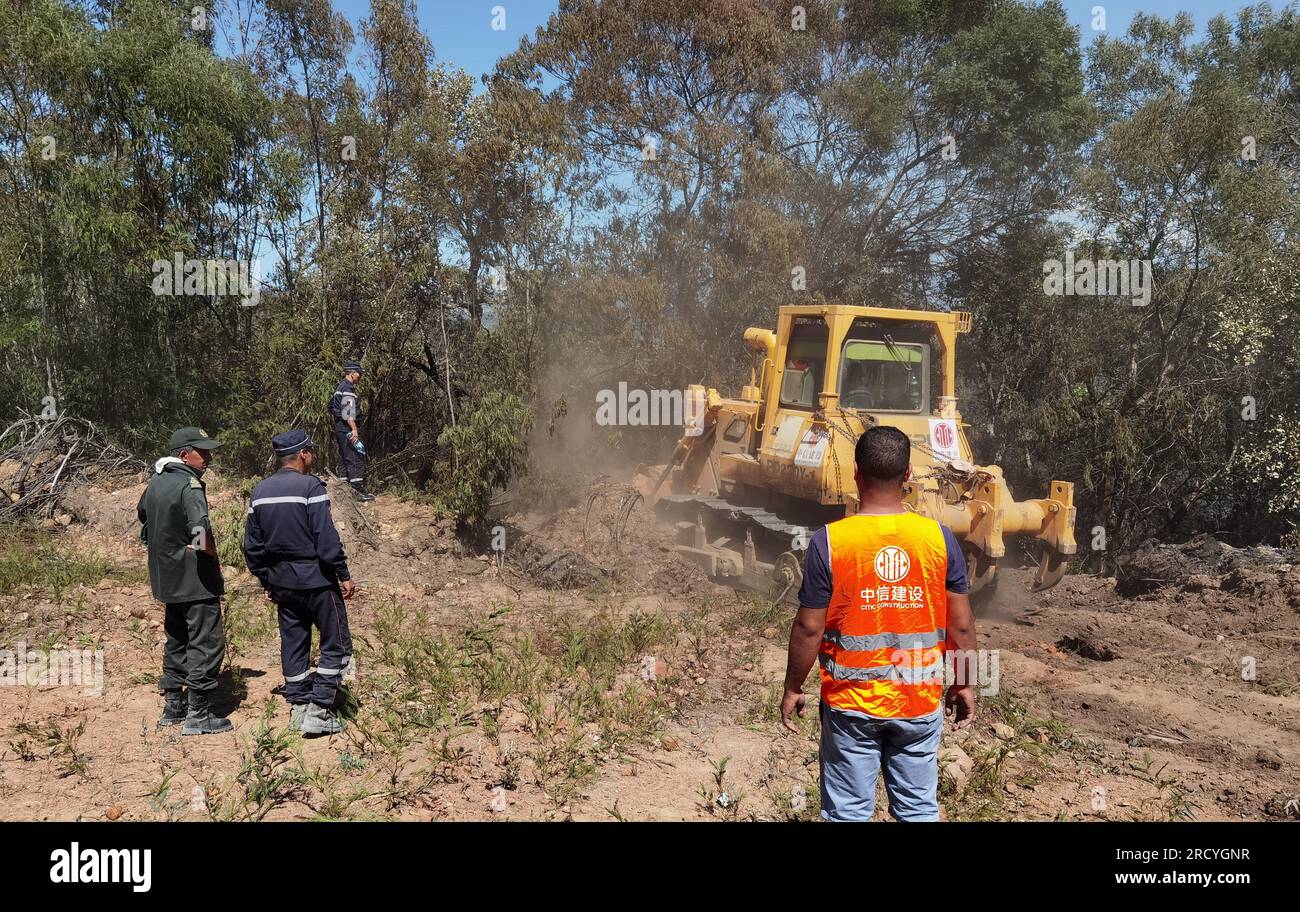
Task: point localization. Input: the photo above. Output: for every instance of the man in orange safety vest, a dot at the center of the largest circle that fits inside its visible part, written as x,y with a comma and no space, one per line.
884,596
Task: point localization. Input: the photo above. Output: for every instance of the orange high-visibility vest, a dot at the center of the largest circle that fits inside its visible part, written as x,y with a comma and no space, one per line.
883,647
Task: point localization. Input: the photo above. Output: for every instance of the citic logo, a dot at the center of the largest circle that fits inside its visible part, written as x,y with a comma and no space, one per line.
892,564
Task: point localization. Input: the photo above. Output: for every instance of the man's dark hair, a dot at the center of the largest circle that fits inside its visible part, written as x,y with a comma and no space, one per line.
283,461
882,455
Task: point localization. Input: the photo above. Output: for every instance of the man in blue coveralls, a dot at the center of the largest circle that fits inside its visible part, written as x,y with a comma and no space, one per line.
292,547
345,407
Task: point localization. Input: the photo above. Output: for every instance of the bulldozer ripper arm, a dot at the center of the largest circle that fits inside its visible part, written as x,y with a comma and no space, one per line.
982,522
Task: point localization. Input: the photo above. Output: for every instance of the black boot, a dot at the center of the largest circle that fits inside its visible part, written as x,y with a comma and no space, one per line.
173,707
359,491
200,721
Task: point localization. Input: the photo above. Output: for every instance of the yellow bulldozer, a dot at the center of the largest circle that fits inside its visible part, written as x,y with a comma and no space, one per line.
753,477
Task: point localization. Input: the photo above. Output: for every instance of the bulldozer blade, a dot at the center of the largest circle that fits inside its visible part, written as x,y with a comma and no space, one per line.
1050,570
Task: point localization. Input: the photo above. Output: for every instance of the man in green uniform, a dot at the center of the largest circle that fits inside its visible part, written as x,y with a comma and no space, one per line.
186,577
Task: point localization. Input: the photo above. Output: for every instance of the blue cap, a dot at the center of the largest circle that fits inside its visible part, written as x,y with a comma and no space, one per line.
290,442
352,366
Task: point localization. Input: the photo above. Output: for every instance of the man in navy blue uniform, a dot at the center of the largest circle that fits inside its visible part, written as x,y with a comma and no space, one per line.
345,406
292,547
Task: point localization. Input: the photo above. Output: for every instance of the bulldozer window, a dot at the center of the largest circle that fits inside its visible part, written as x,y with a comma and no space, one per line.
883,375
805,364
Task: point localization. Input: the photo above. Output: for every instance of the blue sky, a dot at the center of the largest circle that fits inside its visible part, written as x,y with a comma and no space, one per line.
1118,14
462,33
461,30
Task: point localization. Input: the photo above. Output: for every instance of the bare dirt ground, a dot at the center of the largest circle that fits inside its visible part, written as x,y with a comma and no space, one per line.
580,680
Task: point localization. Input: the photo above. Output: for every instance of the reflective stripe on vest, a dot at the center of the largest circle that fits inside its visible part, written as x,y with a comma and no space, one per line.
882,650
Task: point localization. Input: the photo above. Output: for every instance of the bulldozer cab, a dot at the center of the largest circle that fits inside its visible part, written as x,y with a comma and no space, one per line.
882,367
897,365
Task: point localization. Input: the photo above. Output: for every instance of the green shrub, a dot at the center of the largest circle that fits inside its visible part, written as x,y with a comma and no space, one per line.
488,449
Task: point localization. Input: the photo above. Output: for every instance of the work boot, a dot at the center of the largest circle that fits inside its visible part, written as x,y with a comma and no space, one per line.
173,707
200,720
320,721
359,492
296,713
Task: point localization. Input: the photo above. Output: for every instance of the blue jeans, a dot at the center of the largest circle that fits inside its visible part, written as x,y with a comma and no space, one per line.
853,749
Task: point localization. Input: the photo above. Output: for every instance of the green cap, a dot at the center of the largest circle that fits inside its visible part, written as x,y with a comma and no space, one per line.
193,437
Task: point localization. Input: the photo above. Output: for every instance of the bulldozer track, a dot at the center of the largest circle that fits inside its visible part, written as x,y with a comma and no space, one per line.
764,519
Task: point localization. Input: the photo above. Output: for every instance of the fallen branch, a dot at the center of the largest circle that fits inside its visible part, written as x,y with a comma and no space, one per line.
55,455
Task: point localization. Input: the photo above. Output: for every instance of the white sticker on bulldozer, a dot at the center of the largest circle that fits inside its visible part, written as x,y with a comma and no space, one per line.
787,435
694,412
812,449
943,438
